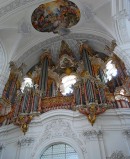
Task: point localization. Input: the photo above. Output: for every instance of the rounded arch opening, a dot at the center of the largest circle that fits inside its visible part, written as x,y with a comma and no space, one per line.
67,83
58,151
43,146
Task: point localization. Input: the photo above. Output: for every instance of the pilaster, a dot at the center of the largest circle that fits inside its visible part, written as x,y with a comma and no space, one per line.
24,146
94,139
126,134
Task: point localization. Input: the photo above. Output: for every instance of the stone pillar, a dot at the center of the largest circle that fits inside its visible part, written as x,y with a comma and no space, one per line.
121,17
101,144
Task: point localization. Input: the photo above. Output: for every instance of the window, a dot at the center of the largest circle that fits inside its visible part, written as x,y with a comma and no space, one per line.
67,83
26,83
121,96
59,151
111,70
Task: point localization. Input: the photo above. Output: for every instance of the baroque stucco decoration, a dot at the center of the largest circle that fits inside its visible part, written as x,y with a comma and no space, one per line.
92,134
127,133
26,141
118,155
59,130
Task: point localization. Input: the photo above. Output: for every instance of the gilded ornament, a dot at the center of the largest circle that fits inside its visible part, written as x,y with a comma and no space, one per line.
92,111
68,71
96,69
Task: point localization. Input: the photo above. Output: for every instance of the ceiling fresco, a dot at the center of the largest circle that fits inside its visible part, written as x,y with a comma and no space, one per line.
52,16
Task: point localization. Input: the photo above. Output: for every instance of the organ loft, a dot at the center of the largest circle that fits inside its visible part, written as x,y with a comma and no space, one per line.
90,83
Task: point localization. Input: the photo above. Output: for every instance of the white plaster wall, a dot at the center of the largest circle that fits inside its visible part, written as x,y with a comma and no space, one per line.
110,133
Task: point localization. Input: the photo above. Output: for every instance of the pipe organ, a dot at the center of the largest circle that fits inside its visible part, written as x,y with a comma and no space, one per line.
92,92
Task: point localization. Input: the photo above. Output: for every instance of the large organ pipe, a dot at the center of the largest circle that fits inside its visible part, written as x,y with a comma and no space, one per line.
44,76
102,93
89,90
25,101
87,63
77,95
36,101
101,75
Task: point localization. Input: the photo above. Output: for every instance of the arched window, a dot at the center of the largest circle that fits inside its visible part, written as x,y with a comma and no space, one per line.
59,151
67,83
121,96
111,70
26,83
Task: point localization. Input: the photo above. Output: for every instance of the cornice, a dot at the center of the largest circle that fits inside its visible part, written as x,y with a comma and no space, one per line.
25,141
68,114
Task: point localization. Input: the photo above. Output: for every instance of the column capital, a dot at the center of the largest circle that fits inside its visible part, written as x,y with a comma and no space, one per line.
126,133
25,141
118,155
93,134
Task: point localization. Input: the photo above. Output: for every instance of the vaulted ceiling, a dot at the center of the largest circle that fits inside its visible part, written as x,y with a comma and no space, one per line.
22,43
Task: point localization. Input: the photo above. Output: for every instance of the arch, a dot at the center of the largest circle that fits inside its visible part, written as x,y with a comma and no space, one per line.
64,151
34,51
44,145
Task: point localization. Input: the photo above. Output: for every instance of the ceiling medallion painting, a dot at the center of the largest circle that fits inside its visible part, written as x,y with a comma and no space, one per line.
55,16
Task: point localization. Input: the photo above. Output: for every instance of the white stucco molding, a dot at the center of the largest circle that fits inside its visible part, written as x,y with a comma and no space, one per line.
75,115
121,16
59,131
93,134
118,155
127,133
123,52
13,6
120,7
44,145
25,141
